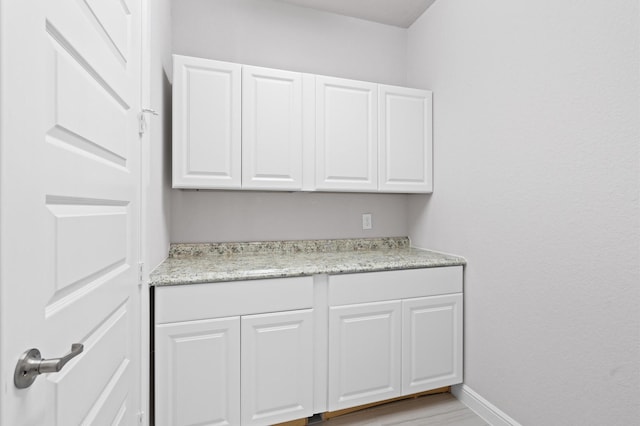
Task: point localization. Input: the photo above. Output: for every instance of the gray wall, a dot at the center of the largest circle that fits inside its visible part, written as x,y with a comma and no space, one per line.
536,136
536,130
278,35
264,216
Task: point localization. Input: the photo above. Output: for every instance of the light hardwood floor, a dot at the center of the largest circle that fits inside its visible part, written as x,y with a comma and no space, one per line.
431,410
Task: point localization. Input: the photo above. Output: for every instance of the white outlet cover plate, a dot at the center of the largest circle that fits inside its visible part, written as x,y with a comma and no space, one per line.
366,221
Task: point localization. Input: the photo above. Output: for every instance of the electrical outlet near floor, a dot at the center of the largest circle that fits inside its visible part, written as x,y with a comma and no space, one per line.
366,221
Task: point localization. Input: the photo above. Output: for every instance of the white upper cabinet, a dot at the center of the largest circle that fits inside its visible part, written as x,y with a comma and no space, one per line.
244,127
405,144
206,123
271,129
346,135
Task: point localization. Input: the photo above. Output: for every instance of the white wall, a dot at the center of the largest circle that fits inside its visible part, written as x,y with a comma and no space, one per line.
536,147
157,167
265,216
279,35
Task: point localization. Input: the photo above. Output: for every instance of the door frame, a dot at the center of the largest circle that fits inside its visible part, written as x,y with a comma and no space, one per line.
145,143
3,344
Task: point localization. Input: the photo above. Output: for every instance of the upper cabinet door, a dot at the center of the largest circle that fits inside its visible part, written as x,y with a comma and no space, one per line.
346,135
405,145
206,123
271,129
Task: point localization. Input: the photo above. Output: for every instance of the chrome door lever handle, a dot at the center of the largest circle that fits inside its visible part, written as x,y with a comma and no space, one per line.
55,364
31,365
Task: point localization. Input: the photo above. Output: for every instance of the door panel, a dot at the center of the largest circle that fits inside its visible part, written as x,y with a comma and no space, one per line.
277,367
346,135
69,208
198,372
114,407
405,145
271,129
91,241
112,18
107,347
432,342
364,353
85,112
206,123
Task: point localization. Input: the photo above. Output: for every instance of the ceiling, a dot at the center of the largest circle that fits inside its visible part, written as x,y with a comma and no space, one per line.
401,13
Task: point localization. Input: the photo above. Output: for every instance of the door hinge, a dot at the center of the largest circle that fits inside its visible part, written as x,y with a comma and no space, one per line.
140,273
142,121
141,417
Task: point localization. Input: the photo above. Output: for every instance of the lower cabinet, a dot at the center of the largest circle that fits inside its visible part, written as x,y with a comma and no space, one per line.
364,353
277,367
247,369
197,366
390,348
262,352
431,342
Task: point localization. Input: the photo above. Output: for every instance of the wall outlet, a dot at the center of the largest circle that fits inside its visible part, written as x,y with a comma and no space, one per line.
366,221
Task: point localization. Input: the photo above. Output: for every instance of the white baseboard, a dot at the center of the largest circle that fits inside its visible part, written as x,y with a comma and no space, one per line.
489,412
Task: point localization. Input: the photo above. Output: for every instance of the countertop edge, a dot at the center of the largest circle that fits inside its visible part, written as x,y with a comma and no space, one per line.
202,277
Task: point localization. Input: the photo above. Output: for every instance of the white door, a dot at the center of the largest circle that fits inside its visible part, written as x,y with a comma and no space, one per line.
405,144
197,366
364,353
432,342
69,209
277,367
206,123
346,135
271,129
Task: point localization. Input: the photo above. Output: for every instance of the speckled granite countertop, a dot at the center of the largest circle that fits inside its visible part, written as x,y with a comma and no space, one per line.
215,262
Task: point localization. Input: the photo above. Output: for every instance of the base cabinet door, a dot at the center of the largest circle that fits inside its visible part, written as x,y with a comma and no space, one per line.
432,342
277,367
364,353
197,372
